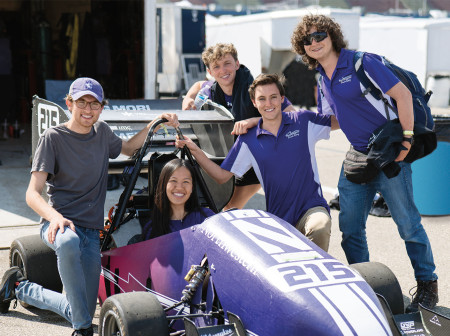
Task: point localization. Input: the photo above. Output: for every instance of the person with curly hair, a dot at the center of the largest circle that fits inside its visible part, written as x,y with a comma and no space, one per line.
320,42
176,202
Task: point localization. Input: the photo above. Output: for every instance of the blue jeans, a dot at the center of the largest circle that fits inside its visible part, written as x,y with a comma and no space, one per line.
79,266
356,200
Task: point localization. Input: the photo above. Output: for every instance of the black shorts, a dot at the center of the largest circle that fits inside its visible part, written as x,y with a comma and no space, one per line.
248,178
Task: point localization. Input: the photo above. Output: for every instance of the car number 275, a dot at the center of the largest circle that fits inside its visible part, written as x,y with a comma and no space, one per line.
48,116
293,276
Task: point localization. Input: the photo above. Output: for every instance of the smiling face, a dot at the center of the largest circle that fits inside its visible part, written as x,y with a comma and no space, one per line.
179,187
268,102
319,50
224,71
83,119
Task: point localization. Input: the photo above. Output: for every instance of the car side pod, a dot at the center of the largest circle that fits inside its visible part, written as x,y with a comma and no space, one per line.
425,322
435,323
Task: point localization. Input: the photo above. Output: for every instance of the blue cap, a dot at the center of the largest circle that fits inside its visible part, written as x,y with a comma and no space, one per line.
86,86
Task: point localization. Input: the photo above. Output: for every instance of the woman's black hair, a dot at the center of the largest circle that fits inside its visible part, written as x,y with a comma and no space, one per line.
162,210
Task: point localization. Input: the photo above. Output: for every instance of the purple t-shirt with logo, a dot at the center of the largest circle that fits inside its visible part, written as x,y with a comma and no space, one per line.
284,163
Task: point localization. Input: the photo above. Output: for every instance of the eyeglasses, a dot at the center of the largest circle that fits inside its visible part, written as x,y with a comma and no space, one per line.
82,104
316,36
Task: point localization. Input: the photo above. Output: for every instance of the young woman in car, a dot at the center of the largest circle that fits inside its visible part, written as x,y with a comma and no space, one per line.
176,204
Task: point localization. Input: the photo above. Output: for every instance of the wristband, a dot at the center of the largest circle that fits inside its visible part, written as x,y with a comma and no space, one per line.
410,140
411,133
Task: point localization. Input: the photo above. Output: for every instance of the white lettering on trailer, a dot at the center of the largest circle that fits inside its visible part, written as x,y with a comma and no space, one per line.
127,107
125,135
48,116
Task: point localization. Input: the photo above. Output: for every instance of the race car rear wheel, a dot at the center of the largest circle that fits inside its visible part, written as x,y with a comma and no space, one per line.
384,282
37,262
130,314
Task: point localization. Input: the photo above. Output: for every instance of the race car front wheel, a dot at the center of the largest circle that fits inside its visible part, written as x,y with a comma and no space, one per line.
132,314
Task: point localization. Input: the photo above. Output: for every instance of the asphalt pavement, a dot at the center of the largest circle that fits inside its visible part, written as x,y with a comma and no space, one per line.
385,245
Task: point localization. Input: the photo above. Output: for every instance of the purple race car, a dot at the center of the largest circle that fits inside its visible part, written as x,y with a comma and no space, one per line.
241,272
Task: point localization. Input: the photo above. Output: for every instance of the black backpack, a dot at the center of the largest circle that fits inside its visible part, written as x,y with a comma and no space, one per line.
425,140
422,112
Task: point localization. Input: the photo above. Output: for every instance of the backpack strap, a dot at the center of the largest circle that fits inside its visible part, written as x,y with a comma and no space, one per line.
319,83
362,77
368,84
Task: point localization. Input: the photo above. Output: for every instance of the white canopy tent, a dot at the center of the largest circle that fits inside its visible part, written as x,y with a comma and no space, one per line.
421,45
263,41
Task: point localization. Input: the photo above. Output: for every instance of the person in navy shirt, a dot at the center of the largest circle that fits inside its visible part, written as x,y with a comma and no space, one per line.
320,42
230,89
176,203
281,151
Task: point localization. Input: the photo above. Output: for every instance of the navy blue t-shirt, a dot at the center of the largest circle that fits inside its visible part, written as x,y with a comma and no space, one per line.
192,218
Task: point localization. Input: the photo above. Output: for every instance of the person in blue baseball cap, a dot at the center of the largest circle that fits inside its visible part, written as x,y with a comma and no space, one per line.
86,86
72,159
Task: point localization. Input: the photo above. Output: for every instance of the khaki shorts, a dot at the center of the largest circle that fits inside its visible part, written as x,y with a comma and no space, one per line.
315,224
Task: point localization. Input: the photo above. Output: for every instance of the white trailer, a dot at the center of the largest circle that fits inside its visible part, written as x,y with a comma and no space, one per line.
263,41
421,45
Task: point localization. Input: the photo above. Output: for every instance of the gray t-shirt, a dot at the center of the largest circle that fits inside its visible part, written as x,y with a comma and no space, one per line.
77,165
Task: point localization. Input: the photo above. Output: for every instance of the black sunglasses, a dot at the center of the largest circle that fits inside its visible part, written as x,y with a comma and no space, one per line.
316,36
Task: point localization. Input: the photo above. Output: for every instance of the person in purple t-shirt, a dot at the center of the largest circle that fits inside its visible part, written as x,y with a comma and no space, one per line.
320,42
230,89
176,203
281,151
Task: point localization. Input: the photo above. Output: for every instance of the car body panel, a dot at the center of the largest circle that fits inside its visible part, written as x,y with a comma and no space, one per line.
263,270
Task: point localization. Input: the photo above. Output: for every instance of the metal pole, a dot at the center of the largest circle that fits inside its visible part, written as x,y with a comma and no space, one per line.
150,56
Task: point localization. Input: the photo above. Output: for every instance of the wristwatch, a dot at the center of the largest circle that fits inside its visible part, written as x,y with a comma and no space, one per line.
410,140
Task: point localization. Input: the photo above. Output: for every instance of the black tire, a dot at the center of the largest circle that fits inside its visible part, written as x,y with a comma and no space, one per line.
133,314
383,282
37,262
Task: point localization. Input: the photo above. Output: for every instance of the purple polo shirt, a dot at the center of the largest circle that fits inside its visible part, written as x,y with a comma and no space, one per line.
358,115
285,164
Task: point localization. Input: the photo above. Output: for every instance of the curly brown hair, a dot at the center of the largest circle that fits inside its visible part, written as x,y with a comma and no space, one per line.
216,52
266,79
321,23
